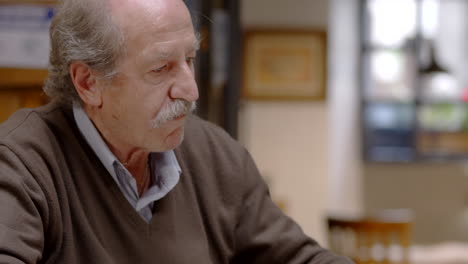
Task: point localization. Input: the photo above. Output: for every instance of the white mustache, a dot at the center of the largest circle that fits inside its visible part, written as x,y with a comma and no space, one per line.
172,111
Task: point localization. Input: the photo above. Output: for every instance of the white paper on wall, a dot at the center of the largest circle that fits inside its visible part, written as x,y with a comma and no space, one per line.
24,36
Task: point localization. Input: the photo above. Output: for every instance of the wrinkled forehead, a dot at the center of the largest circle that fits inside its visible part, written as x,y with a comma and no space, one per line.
150,16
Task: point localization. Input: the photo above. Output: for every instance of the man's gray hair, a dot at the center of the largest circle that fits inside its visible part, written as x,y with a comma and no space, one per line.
82,30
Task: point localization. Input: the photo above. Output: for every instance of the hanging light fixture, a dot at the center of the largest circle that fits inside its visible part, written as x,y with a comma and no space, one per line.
437,82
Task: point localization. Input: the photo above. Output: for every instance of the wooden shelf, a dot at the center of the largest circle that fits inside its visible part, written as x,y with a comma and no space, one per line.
22,78
443,142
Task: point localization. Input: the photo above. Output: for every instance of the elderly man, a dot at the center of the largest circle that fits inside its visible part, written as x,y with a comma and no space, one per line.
101,175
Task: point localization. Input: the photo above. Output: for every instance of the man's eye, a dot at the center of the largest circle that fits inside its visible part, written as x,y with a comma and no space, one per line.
190,60
160,69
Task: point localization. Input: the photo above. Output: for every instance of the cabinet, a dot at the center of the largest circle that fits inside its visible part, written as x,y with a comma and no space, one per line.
23,27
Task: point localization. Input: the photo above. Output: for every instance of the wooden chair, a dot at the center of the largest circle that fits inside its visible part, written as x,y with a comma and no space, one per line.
383,238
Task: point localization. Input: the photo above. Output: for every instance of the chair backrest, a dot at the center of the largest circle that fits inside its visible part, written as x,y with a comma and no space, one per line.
382,238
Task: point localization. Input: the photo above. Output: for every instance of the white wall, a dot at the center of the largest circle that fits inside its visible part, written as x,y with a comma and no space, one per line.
289,143
289,140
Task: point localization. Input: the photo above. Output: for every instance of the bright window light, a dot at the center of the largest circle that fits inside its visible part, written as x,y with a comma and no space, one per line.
392,21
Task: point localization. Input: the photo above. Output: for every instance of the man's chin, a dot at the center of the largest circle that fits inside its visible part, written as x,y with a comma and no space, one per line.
175,139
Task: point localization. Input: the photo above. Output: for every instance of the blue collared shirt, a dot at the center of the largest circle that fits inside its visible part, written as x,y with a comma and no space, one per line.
164,168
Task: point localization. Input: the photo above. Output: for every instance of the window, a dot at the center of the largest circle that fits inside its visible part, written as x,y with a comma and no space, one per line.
414,63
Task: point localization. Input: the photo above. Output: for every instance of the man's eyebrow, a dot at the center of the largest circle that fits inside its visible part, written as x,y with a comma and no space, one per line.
163,55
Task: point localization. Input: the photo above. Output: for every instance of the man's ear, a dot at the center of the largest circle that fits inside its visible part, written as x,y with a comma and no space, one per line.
85,83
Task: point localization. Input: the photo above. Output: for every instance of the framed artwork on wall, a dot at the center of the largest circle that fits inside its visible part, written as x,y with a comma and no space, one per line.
284,65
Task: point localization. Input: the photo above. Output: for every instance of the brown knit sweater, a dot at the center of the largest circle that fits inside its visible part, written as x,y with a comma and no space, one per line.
58,204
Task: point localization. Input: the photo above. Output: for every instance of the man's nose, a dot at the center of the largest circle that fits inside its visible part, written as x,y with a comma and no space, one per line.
185,86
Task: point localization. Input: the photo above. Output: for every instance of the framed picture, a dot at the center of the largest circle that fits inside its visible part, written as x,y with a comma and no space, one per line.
284,65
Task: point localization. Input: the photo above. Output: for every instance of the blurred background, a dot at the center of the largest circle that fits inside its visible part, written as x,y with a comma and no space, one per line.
386,128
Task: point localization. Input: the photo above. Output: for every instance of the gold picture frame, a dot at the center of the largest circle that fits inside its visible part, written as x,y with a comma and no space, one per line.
284,65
